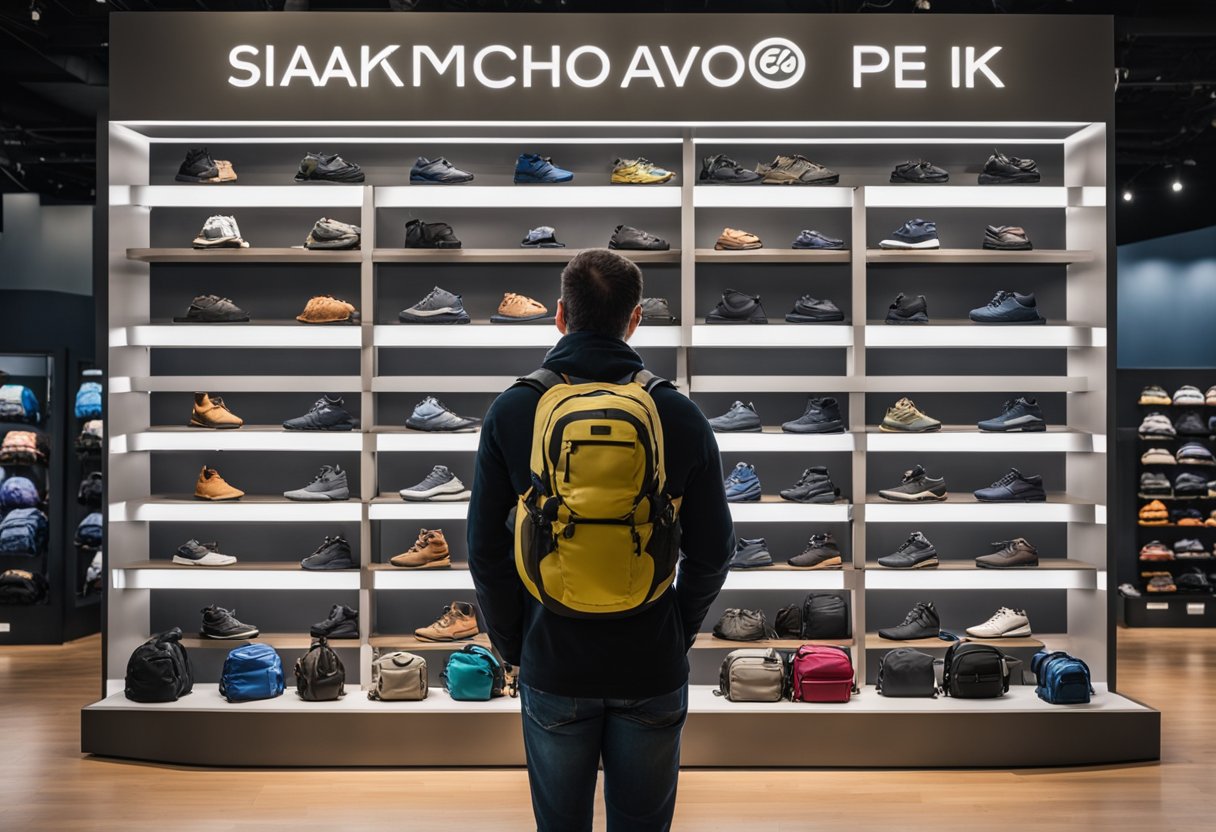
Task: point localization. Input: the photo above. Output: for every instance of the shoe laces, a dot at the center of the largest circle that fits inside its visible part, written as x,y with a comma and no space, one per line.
999,614
1013,476
915,473
999,298
914,614
325,471
739,474
907,544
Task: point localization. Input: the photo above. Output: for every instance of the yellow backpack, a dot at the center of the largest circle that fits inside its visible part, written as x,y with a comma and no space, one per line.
596,534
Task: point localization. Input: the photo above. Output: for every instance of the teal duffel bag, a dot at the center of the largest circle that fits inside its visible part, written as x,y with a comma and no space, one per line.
475,675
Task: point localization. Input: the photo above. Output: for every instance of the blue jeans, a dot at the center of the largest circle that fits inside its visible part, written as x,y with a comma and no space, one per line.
638,740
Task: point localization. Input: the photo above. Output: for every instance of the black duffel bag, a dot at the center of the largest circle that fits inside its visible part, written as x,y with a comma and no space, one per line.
906,672
819,616
975,671
159,669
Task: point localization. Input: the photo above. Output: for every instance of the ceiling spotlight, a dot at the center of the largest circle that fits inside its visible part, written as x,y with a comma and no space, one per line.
922,5
1177,186
1127,196
35,11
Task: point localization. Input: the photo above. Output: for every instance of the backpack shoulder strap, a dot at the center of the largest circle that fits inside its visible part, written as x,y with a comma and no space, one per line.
650,381
541,380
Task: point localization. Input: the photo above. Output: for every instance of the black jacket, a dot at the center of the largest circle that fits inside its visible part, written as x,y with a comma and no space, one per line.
635,657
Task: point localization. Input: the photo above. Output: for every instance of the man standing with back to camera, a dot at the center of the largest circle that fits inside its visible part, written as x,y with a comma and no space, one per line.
603,657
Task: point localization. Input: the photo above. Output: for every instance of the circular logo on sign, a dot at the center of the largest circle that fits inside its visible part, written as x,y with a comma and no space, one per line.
776,63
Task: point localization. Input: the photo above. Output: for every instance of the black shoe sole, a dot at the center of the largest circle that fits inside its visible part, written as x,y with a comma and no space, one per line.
466,429
750,565
1036,322
328,567
420,181
757,429
822,427
1019,500
818,248
1039,428
936,181
711,319
202,321
240,637
1019,247
184,177
1014,566
809,319
818,499
438,319
440,245
830,180
915,319
1016,179
346,426
615,247
546,318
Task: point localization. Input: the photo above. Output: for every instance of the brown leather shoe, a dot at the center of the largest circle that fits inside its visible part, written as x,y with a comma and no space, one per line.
732,239
516,308
211,412
225,172
326,309
211,486
459,621
430,551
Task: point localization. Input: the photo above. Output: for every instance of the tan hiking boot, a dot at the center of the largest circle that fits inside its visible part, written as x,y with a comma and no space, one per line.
211,486
732,239
459,621
224,172
905,418
211,412
325,309
516,308
430,551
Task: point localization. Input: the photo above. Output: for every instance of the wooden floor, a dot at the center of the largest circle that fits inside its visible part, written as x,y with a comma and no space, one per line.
48,785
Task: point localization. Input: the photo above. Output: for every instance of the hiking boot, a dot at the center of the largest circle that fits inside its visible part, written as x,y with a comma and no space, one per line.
1008,308
212,309
913,234
531,169
326,414
1014,487
814,486
822,415
1154,485
1008,170
198,166
917,487
325,309
809,310
1010,554
430,551
220,231
1157,456
1004,623
226,173
1153,395
544,236
343,622
438,171
722,170
1190,424
796,170
821,552
441,485
732,239
211,486
332,234
1020,414
742,485
628,238
656,311
318,167
741,418
921,622
328,485
211,412
914,553
1006,238
1188,486
515,309
1155,550
430,414
1188,394
458,621
438,307
808,239
221,623
737,308
638,171
193,553
419,234
903,417
751,554
905,310
920,172
333,553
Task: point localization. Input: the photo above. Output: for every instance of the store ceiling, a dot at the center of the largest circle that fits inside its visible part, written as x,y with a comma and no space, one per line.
53,72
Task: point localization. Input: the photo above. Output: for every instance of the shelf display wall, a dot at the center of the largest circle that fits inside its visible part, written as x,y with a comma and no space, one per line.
273,368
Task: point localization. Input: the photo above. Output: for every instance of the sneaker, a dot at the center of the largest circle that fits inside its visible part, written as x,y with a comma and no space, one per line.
1128,591
419,234
531,169
1018,553
1008,308
628,238
814,486
328,485
1157,456
732,239
737,308
921,622
903,417
1154,485
639,171
1153,514
808,239
741,418
544,236
193,553
905,310
1007,238
722,170
1193,581
342,622
221,623
1156,550
430,551
916,234
656,311
438,171
1209,398
1186,548
917,487
333,235
1156,426
226,173
211,412
1020,414
326,309
796,170
1153,395
458,621
920,172
1190,424
821,552
198,166
743,485
808,310
438,307
1158,582
516,309
1014,487
441,485
822,415
211,486
326,414
333,553
1187,486
431,415
1004,623
1008,170
1193,453
750,554
318,167
220,231
212,309
914,553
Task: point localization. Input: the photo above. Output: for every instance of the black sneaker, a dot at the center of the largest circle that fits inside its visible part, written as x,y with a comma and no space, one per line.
741,418
333,553
317,167
906,310
1008,170
437,171
1154,485
221,623
198,166
326,414
737,308
430,414
1190,424
808,310
751,554
917,487
920,172
814,486
419,234
722,170
628,238
913,234
212,309
1014,487
821,552
438,307
656,311
543,236
921,622
1188,486
343,622
914,553
822,415
809,239
1020,414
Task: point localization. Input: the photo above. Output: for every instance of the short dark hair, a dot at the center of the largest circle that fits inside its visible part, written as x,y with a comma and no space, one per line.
599,292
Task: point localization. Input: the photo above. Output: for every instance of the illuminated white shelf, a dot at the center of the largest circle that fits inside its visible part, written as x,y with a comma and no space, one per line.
901,384
404,439
235,384
465,256
965,196
773,509
978,256
485,334
776,384
441,384
213,336
971,335
246,438
561,195
783,577
299,195
387,576
775,440
1049,574
968,439
772,196
392,507
774,255
962,507
772,335
260,254
163,574
248,509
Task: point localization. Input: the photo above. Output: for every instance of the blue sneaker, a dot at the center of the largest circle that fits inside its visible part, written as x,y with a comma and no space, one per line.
438,171
743,486
326,414
917,234
1008,308
1020,414
531,169
813,239
1014,487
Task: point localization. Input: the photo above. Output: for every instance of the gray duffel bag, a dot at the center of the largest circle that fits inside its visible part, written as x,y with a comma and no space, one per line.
752,675
398,676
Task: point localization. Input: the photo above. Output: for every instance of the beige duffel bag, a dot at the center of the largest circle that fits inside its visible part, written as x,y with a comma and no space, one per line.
398,676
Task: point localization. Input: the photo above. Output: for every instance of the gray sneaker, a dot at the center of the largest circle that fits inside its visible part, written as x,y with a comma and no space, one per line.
440,485
328,485
914,553
438,307
917,487
221,623
821,552
331,234
741,418
333,553
430,414
1010,554
751,553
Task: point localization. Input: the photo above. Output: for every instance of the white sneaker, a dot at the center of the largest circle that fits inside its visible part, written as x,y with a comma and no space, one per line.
1005,623
193,553
441,485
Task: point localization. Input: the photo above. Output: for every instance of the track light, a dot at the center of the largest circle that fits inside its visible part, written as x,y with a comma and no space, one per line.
1177,186
1127,196
35,11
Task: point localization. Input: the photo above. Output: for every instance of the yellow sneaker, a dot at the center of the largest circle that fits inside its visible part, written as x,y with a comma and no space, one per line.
638,171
